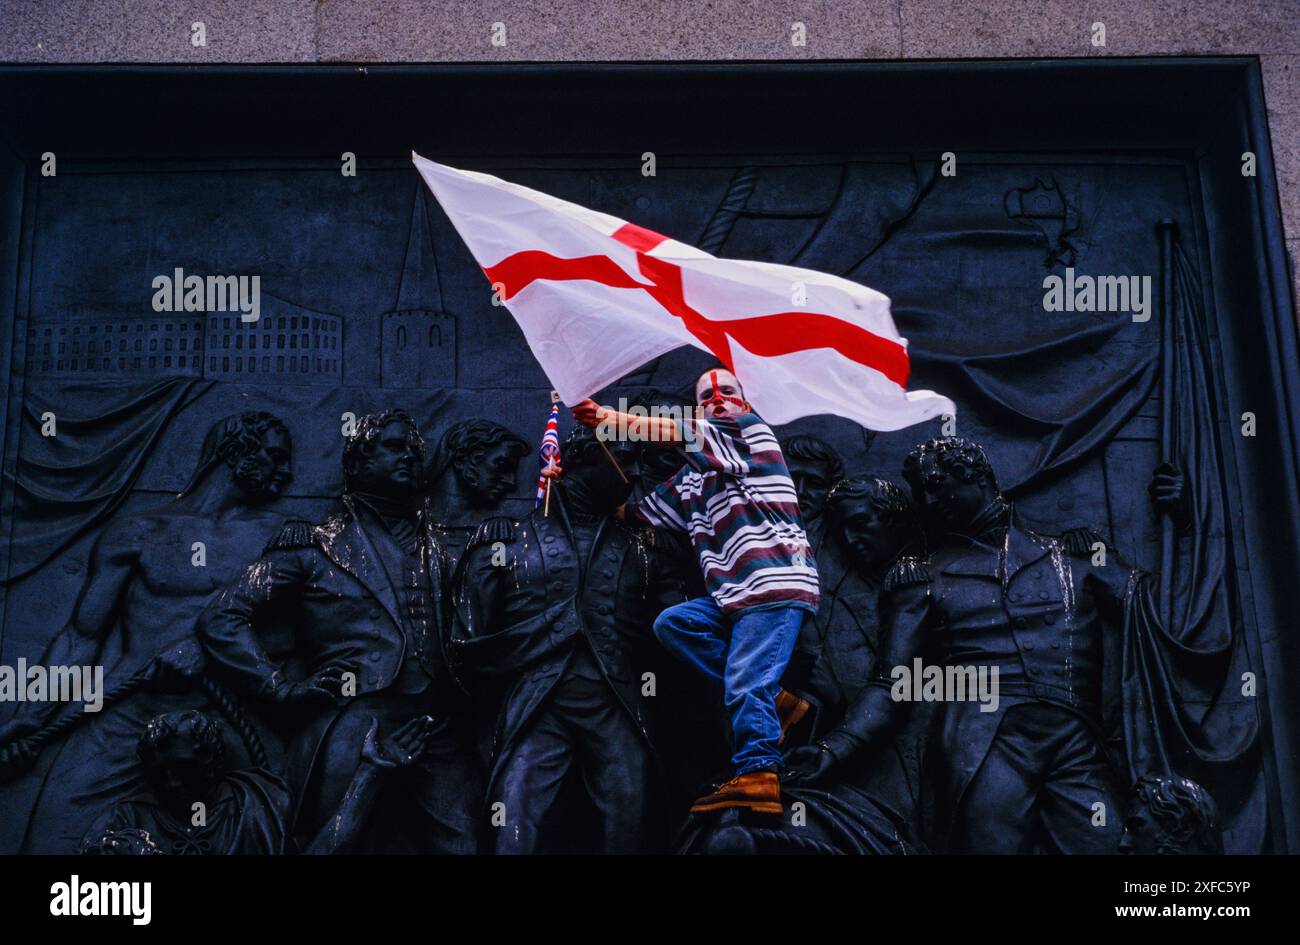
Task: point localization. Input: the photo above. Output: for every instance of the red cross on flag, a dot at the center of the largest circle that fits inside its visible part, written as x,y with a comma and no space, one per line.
597,297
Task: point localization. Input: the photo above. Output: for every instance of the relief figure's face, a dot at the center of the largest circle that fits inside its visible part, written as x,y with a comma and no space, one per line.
490,474
181,772
866,534
392,468
812,481
263,474
949,501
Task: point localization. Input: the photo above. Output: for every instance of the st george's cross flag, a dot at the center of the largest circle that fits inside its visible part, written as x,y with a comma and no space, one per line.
597,297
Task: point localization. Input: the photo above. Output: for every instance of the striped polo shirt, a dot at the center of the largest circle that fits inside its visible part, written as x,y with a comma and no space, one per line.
736,500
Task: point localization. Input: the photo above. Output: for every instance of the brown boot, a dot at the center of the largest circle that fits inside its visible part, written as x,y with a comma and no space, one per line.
758,791
789,710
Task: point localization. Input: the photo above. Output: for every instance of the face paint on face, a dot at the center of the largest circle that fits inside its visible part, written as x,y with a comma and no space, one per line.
720,395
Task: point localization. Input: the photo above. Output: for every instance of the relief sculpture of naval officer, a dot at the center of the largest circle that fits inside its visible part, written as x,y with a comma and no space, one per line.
560,612
1029,769
363,592
474,469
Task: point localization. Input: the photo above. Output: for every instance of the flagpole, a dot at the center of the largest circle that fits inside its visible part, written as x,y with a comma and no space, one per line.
622,475
550,454
555,398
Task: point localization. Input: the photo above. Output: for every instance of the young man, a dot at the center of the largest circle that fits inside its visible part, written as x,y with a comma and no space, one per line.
736,501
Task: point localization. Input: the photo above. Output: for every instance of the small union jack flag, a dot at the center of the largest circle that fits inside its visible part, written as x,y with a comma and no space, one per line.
549,455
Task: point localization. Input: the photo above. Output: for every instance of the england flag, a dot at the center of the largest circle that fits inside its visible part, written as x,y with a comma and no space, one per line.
597,297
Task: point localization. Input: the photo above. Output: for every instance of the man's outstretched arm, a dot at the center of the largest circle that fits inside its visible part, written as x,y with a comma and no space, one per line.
646,429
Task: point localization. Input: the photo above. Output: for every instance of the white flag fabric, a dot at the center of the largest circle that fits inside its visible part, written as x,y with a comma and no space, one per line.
597,297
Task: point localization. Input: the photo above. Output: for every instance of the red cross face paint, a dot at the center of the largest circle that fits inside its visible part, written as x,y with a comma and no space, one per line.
718,396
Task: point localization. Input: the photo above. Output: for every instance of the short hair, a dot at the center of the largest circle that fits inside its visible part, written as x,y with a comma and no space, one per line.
360,446
232,438
580,448
886,499
953,455
1185,812
710,370
204,731
813,449
464,438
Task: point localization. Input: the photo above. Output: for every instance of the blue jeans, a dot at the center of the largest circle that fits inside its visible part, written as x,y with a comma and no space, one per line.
747,655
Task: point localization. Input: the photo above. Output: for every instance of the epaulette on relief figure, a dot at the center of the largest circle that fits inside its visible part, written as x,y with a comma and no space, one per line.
1081,539
492,529
907,571
294,534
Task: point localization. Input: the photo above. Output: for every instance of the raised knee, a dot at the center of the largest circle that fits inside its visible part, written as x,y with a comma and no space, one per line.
663,627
